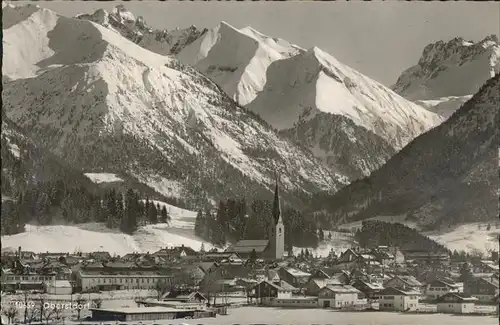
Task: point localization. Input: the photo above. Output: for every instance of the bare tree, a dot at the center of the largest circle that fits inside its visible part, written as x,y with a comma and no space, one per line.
11,313
31,315
50,314
160,288
97,303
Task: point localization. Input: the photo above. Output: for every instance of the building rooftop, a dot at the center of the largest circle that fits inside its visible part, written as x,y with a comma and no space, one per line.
139,310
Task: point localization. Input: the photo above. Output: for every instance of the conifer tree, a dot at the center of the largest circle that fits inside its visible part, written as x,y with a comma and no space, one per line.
198,230
164,215
153,214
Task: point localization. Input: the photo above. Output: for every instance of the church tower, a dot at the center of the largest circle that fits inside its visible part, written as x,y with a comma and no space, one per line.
277,228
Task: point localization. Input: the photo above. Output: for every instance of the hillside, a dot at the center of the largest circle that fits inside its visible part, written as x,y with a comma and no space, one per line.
25,164
105,104
241,61
444,177
448,72
96,237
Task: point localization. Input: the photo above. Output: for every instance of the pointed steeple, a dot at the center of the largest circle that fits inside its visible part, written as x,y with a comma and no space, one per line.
276,202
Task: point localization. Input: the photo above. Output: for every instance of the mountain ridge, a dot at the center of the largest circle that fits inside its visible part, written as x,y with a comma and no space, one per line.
117,107
240,60
452,178
448,73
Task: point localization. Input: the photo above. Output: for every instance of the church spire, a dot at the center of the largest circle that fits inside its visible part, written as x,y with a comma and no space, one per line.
276,203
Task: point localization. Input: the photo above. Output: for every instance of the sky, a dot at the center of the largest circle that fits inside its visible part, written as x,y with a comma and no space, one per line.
379,39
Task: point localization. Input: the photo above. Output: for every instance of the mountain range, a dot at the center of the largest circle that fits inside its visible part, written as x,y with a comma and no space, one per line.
206,114
102,103
447,176
307,95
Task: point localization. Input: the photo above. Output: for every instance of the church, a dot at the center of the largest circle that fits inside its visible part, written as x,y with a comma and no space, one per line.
272,248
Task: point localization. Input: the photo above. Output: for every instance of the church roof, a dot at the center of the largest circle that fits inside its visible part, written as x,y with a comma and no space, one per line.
246,246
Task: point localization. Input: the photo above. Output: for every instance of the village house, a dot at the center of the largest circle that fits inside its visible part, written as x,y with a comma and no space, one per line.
485,266
323,273
485,289
427,257
185,297
395,299
177,253
370,290
280,295
223,278
313,286
295,277
406,282
26,280
219,257
348,256
437,288
338,296
119,277
455,303
58,287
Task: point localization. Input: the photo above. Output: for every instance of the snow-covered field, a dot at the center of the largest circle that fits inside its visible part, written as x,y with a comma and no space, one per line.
339,243
96,237
465,237
468,237
99,178
262,315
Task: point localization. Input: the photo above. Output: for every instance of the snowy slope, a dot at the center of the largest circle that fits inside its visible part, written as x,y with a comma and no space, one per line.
469,237
314,81
103,177
444,106
452,69
236,59
96,237
100,101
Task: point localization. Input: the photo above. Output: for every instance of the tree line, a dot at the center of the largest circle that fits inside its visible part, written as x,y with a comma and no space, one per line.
375,233
235,219
53,202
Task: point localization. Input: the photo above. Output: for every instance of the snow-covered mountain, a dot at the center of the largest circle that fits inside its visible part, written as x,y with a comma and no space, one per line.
236,59
124,22
444,177
103,103
371,122
450,72
362,122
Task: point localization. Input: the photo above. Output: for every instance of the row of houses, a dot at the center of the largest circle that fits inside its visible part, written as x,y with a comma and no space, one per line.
356,279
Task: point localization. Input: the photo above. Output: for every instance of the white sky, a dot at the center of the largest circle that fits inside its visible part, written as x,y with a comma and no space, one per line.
379,39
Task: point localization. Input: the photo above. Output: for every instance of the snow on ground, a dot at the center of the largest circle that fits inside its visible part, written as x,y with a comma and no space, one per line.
162,185
180,218
445,106
465,237
339,243
468,237
99,178
96,237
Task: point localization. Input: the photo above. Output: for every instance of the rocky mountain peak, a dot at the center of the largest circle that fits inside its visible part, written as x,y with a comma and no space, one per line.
457,67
